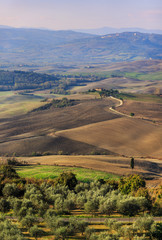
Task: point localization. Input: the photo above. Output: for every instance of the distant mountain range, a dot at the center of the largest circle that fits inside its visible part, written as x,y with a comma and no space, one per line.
35,46
109,30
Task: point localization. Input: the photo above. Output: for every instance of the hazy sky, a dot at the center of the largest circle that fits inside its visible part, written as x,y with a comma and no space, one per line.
81,14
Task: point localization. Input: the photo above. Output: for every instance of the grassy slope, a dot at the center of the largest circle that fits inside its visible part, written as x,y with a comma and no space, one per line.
148,98
13,104
44,172
125,84
138,76
144,76
109,164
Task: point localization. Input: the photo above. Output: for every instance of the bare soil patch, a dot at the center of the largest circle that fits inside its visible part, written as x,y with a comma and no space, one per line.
125,136
36,131
90,111
81,129
48,145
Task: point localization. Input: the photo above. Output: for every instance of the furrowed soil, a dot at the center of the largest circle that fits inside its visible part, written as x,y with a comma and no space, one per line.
89,127
36,131
125,136
146,110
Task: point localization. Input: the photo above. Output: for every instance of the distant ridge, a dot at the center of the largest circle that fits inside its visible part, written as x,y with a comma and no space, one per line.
35,46
109,30
95,31
6,27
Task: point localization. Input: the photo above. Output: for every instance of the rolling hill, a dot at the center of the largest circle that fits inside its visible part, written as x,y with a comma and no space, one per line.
110,30
125,136
89,126
33,46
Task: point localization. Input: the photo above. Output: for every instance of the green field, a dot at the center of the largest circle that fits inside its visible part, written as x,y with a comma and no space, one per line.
13,104
144,76
141,97
51,172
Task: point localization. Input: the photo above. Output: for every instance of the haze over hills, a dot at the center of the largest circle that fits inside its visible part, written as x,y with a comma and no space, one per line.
110,30
100,31
34,46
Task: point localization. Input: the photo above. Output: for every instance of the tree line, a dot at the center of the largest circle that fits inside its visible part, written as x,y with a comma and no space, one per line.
58,83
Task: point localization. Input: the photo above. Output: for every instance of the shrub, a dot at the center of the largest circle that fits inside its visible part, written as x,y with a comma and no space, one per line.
156,230
7,171
59,206
9,231
54,222
10,190
131,183
67,179
144,223
77,226
69,204
89,232
28,221
113,183
128,207
61,232
24,211
91,206
36,232
156,209
107,207
14,162
4,205
17,206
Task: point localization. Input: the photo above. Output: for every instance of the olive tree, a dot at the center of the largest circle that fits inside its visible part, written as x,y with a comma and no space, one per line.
129,207
4,205
36,232
10,231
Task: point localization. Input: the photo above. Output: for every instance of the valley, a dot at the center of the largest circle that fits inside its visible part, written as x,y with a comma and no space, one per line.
94,124
80,135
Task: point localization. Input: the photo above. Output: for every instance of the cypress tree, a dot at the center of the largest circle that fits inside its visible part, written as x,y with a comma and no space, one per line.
132,163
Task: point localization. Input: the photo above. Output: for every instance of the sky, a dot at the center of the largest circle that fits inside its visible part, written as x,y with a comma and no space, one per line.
81,14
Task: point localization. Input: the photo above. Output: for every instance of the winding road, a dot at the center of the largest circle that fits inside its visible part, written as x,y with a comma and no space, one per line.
118,105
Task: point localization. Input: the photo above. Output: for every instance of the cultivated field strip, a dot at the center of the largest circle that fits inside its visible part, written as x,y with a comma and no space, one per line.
111,164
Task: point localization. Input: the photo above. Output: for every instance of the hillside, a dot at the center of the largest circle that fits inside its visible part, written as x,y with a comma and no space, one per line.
34,131
117,47
33,46
89,126
17,80
137,76
110,30
125,136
